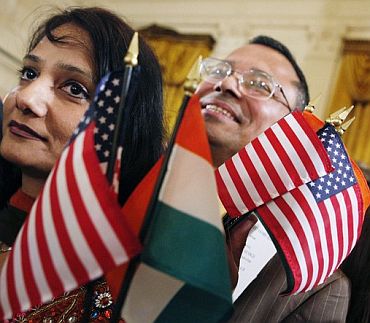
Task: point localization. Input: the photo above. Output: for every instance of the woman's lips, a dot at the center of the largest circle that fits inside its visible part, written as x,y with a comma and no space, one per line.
22,130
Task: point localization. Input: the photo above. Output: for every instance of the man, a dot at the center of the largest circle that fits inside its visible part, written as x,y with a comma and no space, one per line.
242,96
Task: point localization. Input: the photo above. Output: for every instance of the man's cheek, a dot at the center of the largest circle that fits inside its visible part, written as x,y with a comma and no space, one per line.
203,89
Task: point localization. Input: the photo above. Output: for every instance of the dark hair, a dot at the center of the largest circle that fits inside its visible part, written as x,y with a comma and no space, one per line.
357,269
303,96
110,37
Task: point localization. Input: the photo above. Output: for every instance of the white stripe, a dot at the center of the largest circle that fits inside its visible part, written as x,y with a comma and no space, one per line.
291,152
72,226
149,293
190,186
276,161
35,259
344,217
248,183
308,145
334,232
292,236
57,256
20,285
95,211
261,171
234,194
355,215
4,296
306,228
322,233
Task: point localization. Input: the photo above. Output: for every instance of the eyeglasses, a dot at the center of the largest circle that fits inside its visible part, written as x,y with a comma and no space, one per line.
255,83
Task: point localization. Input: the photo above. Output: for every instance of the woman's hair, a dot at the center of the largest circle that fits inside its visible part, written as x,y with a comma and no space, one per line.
110,37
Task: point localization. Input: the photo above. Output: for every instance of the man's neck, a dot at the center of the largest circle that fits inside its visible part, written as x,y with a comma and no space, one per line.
219,156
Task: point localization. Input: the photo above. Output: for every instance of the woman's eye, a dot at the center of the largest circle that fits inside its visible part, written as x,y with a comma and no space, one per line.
28,74
76,90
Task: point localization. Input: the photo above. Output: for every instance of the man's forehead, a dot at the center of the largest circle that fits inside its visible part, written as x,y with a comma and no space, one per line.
263,58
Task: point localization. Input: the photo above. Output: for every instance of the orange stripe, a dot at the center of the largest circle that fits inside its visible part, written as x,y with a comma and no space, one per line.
315,123
192,130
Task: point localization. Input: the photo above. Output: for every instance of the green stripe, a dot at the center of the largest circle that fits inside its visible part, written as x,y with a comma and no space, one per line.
194,305
188,249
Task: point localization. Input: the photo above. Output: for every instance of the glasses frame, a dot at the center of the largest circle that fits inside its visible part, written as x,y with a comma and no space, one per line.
231,72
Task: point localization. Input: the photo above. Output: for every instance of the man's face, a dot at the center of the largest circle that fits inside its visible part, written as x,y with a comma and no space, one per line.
233,119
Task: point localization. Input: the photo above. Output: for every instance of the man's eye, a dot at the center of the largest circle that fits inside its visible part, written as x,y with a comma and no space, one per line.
218,71
76,90
259,85
28,74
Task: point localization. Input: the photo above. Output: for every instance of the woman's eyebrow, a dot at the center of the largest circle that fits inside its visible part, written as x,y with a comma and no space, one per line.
33,58
75,69
62,66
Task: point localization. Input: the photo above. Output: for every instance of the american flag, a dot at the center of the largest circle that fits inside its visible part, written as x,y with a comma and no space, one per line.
317,225
74,233
285,156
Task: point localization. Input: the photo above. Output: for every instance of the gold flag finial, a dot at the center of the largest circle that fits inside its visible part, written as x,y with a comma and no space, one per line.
311,106
338,117
133,51
343,128
193,79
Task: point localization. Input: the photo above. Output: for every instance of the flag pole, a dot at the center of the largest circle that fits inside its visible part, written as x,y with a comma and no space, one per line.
190,86
131,61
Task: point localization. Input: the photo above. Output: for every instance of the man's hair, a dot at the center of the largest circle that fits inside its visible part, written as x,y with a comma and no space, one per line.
303,96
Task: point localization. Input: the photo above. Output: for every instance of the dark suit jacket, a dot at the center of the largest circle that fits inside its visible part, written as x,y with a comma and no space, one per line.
260,302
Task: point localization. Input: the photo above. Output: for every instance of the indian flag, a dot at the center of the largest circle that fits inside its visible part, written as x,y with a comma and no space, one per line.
183,275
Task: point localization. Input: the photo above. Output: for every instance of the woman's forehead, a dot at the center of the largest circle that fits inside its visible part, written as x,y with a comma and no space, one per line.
75,35
74,50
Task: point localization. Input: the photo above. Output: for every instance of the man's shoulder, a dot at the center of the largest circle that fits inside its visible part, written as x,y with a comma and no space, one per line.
262,300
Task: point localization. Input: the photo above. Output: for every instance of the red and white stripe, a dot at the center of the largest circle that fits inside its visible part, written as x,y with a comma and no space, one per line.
73,234
314,237
282,158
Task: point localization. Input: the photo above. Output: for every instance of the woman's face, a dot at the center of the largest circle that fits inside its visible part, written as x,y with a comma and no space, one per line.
55,88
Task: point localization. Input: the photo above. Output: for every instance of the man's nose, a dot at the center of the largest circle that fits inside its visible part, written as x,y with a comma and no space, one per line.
230,84
34,98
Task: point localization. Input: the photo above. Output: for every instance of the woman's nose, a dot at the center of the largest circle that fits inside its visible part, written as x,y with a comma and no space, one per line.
34,98
230,84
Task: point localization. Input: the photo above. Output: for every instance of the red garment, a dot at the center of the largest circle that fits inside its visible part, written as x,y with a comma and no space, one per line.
22,201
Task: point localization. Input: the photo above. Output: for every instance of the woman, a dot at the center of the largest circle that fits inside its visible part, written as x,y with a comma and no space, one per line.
67,55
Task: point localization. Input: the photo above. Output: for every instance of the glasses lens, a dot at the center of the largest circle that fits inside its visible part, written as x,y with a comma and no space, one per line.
214,70
257,84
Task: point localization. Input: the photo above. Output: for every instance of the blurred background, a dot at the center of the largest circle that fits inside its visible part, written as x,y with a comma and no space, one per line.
329,38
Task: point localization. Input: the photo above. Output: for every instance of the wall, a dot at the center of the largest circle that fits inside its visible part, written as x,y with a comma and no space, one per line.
313,29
